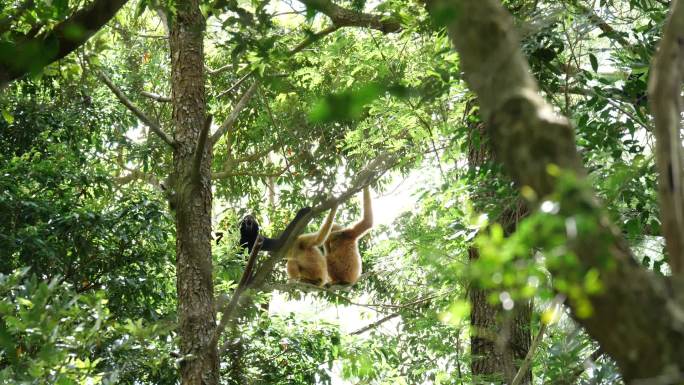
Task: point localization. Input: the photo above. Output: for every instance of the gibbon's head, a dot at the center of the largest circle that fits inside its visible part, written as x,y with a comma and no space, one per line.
249,230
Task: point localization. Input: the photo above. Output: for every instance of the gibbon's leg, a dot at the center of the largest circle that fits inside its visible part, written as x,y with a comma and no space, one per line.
366,222
273,244
318,238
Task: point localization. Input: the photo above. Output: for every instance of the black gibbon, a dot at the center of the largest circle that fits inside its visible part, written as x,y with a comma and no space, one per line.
342,248
249,230
305,262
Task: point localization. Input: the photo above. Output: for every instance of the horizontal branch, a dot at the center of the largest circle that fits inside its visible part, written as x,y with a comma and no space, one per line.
343,17
156,97
153,125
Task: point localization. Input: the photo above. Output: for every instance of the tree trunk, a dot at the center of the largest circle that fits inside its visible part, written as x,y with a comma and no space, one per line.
500,340
636,316
192,200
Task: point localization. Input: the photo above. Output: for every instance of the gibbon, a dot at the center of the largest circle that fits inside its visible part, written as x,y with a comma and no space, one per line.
342,248
249,230
305,262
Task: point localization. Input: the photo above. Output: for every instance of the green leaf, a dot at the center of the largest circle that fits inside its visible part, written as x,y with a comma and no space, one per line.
7,116
594,62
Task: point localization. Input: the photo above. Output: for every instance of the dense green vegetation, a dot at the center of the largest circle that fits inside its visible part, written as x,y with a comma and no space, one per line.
511,246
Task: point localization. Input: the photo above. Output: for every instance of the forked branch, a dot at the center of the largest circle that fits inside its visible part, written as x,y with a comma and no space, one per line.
149,122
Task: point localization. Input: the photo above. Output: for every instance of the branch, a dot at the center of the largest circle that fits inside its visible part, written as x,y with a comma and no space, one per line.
30,54
666,103
156,97
606,28
375,324
154,126
228,311
200,150
342,17
525,365
228,125
237,84
313,38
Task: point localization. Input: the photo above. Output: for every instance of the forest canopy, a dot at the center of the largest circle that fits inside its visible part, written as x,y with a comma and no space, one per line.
206,192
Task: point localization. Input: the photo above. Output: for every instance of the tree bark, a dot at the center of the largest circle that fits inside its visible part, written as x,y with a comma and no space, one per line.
192,199
637,315
500,339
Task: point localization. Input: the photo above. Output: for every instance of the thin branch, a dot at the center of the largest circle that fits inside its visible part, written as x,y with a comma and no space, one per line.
313,38
667,74
525,365
200,150
228,311
154,126
227,126
375,324
156,97
237,84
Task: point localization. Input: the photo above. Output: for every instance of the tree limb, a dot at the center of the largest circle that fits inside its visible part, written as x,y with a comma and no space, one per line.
666,103
229,123
342,17
33,53
200,149
156,97
153,125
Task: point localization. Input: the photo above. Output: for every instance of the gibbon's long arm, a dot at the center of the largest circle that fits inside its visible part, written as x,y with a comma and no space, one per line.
273,244
366,222
319,237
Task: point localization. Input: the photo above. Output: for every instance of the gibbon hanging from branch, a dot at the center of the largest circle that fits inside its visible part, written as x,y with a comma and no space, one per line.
342,248
305,262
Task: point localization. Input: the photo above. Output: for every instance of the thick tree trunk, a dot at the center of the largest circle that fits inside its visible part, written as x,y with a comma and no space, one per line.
192,200
636,316
500,340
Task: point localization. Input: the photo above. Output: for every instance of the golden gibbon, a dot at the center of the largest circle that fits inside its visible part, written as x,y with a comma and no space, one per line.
305,262
342,248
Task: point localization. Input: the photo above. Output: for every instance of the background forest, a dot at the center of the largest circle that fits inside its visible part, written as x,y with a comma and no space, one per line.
524,157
